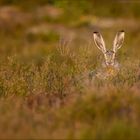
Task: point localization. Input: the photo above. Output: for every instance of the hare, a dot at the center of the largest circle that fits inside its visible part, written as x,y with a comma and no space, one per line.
110,67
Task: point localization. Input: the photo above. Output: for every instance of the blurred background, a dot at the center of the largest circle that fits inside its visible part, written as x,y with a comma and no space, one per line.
49,21
42,23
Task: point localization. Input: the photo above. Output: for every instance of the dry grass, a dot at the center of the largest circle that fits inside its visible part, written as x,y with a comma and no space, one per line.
43,93
41,96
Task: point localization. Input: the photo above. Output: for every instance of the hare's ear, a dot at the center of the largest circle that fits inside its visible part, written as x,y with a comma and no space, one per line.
118,41
98,39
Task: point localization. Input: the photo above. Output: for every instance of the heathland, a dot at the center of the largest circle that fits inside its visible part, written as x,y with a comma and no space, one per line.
44,46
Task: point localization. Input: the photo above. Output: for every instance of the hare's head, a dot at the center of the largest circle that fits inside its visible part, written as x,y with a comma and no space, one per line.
109,55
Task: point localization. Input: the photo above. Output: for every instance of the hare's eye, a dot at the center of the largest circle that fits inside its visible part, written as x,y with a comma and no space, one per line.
107,52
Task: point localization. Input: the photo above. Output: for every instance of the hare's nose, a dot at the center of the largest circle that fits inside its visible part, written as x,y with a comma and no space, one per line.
109,63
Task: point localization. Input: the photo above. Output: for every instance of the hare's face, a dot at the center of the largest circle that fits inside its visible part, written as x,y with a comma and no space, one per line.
109,55
109,58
